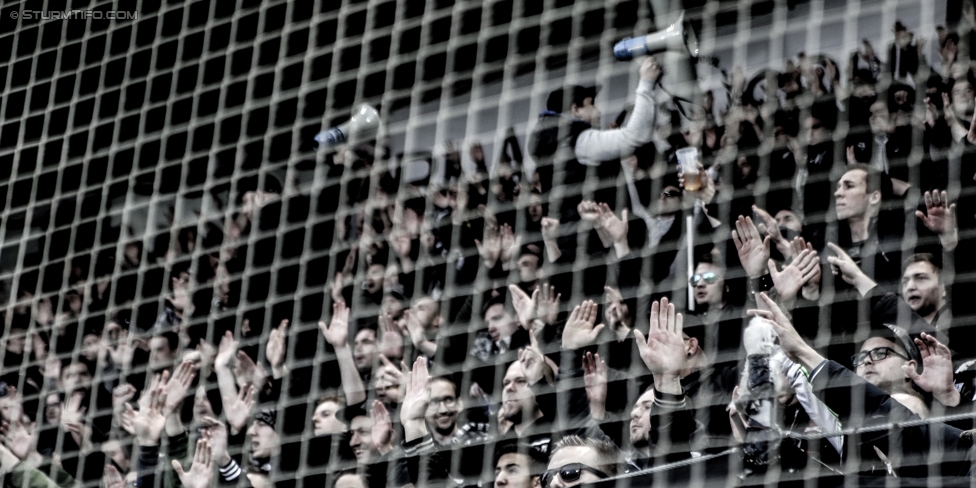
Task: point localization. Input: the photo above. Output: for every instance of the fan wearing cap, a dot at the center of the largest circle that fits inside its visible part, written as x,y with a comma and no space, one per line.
908,367
265,444
886,364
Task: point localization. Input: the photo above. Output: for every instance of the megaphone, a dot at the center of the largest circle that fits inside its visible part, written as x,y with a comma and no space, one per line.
679,36
362,126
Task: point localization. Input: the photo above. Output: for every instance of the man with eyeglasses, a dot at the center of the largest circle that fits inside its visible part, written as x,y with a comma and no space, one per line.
885,364
442,416
880,363
577,460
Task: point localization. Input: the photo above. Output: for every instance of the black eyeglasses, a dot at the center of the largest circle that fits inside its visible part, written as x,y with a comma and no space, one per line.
569,473
876,354
709,277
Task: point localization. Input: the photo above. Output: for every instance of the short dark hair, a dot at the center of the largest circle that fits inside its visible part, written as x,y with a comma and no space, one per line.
923,257
607,454
172,338
557,101
448,380
873,178
492,301
537,463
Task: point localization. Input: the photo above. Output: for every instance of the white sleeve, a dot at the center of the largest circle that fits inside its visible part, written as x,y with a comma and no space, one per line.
816,409
594,146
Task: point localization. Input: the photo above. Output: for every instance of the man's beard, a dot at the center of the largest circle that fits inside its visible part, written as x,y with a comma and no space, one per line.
447,431
516,417
641,443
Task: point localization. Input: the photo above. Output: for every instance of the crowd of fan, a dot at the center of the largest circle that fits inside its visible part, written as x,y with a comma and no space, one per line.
532,324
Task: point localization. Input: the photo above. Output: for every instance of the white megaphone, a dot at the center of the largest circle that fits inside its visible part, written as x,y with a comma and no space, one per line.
679,36
362,126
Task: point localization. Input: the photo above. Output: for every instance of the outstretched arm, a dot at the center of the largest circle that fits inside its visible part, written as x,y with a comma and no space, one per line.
337,333
594,145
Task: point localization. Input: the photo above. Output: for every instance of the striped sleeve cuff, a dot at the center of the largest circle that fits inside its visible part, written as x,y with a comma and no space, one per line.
668,401
231,472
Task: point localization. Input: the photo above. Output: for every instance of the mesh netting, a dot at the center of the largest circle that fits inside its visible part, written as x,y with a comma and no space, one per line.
164,199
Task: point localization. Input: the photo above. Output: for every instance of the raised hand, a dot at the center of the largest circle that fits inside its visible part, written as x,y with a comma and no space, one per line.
617,313
18,437
337,332
842,264
217,435
526,307
580,330
200,474
650,70
663,351
595,380
789,339
417,395
391,373
615,228
791,279
490,247
177,387
277,349
382,433
249,373
940,218
238,411
589,212
533,363
770,227
705,193
73,413
550,229
510,244
226,351
391,338
547,305
121,353
936,377
753,249
147,424
810,290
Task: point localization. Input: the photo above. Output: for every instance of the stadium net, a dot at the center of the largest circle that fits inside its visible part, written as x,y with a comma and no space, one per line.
170,194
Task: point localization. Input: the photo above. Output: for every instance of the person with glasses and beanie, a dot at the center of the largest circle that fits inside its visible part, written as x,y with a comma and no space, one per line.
889,441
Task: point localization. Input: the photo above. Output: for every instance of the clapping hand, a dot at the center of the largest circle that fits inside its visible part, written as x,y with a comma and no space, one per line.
663,351
936,377
337,332
595,379
804,267
580,330
415,401
200,474
533,363
842,264
940,218
276,350
753,249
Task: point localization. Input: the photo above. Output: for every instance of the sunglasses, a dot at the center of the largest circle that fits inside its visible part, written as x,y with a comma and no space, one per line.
671,194
569,473
709,278
876,354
